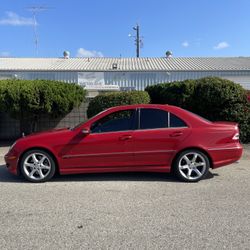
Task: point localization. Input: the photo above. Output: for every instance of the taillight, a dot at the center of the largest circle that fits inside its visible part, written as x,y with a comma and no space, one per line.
236,136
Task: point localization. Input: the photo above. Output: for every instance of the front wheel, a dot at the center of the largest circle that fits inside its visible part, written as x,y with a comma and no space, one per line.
37,166
191,166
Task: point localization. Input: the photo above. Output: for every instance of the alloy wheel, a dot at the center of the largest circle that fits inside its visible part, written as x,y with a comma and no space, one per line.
192,166
37,166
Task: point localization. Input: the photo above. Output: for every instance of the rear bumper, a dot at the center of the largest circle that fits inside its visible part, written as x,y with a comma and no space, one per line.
222,156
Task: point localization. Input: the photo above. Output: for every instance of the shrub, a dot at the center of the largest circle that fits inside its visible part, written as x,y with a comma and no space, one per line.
155,92
27,100
175,93
104,101
248,95
211,97
3,87
217,98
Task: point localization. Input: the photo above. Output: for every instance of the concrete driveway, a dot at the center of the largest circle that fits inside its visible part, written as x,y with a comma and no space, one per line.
127,211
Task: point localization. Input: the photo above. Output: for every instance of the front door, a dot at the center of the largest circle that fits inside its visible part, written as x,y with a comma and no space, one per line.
109,144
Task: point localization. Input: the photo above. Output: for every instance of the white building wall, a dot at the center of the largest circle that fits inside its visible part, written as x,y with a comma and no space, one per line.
133,80
69,77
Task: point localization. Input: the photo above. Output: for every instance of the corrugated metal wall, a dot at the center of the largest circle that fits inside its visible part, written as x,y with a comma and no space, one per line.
64,76
139,80
135,80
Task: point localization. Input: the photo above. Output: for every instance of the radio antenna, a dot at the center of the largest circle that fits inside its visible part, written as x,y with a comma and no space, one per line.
35,9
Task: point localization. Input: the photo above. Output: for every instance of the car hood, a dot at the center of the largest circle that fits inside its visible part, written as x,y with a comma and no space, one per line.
48,132
44,134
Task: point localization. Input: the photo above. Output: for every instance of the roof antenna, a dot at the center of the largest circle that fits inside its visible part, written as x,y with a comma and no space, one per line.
34,9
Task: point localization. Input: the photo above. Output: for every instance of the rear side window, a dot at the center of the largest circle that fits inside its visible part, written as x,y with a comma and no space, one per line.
176,122
153,118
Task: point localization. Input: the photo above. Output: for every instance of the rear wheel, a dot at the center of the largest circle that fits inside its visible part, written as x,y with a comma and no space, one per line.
37,166
191,165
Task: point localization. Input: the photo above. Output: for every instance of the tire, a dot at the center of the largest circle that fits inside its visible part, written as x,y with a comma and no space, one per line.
191,165
37,166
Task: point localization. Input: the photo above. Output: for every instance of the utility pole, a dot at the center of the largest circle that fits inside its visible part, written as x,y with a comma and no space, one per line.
138,39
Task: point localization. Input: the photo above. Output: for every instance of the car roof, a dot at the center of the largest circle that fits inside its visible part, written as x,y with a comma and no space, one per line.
141,106
134,106
184,114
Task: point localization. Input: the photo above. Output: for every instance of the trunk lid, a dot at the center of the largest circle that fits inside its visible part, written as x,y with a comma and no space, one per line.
227,124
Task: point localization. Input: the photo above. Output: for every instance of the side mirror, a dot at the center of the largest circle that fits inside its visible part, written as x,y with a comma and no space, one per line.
85,131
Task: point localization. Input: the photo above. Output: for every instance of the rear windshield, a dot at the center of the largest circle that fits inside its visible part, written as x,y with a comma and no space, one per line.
198,116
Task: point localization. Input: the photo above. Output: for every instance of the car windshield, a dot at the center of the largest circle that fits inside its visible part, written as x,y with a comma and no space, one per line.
81,123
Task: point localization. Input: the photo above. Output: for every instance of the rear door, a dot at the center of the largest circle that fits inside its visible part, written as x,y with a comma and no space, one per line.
158,135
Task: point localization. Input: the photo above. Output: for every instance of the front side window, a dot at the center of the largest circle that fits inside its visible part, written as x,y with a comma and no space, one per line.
117,121
153,118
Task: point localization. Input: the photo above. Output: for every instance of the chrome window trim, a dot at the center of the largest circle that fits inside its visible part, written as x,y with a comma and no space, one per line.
168,119
133,130
139,119
121,131
161,128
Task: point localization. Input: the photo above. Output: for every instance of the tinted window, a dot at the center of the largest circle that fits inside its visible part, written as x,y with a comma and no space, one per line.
176,121
117,121
153,118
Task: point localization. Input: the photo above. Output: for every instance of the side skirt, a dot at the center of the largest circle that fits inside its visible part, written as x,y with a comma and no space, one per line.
158,169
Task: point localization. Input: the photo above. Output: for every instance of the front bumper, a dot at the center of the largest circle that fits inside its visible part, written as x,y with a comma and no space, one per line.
11,160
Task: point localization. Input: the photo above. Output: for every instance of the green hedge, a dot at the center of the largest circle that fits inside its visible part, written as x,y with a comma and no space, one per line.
248,95
211,97
176,93
104,101
27,100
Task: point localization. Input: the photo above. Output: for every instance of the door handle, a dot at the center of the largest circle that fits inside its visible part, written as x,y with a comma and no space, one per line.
125,137
176,134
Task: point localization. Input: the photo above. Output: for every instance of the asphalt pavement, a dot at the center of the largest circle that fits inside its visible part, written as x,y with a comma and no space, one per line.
127,211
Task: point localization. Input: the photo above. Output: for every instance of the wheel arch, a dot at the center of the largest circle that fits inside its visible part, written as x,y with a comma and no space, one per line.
194,148
39,148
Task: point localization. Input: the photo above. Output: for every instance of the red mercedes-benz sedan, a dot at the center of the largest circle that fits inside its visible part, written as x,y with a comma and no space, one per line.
153,138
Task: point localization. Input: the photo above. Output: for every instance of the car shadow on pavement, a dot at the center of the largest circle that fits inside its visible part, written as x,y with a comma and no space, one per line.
5,176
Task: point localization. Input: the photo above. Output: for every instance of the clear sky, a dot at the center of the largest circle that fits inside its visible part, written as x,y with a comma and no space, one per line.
101,27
